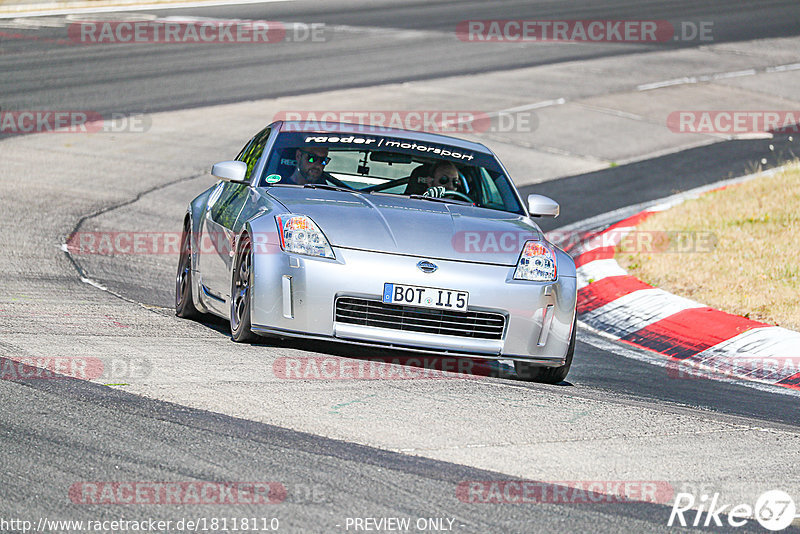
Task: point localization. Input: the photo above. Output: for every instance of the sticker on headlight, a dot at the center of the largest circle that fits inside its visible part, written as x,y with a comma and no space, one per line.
425,297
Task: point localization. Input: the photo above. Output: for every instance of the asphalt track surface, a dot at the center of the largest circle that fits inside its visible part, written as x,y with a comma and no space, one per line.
38,73
54,432
75,429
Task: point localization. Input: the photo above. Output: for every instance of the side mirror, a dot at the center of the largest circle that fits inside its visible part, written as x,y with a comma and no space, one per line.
542,206
232,171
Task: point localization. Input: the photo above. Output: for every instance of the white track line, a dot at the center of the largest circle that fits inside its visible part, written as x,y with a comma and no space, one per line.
784,68
535,105
688,80
508,111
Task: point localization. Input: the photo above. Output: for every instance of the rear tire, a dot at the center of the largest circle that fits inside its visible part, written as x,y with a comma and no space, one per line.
184,305
548,375
241,293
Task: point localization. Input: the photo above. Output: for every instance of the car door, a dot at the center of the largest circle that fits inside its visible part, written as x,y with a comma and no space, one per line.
219,224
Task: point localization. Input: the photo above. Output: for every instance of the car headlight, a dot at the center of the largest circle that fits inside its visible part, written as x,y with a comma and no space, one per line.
299,234
537,262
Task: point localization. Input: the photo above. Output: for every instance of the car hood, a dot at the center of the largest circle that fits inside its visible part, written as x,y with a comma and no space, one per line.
400,225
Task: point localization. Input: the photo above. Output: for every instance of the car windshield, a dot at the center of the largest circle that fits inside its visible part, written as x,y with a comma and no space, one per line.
381,164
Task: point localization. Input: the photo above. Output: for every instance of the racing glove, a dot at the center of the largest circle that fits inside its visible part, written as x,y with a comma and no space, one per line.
435,192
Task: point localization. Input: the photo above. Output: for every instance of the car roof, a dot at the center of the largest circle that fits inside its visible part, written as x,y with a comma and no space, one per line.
346,128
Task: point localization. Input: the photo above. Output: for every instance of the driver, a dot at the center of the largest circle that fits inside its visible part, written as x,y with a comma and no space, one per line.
311,162
443,178
446,174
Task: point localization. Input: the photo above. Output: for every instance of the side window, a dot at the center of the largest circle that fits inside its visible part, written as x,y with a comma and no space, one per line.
243,151
253,150
491,195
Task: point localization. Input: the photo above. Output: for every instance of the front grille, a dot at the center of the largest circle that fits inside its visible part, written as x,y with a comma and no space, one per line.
473,324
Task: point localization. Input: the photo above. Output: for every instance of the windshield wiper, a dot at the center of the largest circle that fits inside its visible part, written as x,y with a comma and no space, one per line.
440,199
329,187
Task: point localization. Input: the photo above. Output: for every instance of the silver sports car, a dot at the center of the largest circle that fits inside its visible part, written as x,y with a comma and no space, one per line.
380,237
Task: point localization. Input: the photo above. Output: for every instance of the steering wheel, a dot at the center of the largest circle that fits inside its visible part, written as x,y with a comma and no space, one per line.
457,194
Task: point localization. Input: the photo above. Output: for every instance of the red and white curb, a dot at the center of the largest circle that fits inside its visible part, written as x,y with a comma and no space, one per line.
697,341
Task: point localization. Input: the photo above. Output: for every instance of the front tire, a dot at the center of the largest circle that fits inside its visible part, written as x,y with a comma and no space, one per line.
184,305
548,375
241,292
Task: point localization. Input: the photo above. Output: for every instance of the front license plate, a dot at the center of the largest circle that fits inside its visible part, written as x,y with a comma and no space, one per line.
426,297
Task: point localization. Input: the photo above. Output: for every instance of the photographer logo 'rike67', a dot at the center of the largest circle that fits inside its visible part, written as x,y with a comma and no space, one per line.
774,510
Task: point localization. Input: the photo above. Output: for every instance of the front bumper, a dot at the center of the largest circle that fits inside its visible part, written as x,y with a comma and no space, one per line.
295,296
